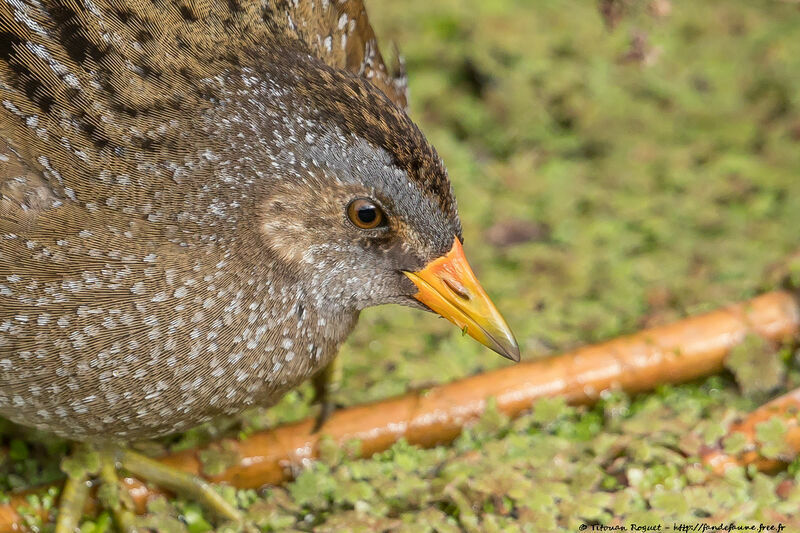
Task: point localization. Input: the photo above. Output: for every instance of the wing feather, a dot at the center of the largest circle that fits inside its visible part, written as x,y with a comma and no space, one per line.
340,33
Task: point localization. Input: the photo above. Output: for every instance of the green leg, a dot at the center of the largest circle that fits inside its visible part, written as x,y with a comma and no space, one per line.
326,384
179,482
73,500
89,461
113,497
80,467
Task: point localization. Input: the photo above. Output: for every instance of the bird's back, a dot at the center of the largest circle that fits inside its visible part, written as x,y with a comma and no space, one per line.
88,83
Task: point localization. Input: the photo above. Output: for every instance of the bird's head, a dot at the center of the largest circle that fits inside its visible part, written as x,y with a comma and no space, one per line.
360,206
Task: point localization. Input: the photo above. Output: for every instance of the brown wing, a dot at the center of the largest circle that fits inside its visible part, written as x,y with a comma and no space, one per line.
339,33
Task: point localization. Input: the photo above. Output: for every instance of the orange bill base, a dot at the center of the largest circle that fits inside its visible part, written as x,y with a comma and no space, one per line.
448,286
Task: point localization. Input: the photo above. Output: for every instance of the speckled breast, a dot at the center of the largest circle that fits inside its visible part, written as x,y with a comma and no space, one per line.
145,344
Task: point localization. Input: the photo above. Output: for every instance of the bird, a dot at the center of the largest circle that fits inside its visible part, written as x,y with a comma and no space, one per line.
197,200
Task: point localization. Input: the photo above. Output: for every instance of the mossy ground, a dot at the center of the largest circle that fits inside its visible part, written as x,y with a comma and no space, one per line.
607,181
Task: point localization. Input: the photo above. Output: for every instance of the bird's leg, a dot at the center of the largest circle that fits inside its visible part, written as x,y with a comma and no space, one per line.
73,500
177,481
112,495
90,461
79,467
326,384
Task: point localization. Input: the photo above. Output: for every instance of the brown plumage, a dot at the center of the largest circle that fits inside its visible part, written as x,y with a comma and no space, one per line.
173,183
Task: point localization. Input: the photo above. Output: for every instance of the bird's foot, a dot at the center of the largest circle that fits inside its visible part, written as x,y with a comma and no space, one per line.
90,462
326,384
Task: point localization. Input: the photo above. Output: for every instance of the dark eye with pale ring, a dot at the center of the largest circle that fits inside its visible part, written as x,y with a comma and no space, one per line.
365,214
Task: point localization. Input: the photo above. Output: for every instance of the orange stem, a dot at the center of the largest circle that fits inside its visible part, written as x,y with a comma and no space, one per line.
786,408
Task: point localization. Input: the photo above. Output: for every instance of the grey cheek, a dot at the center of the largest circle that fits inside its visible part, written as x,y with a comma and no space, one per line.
407,287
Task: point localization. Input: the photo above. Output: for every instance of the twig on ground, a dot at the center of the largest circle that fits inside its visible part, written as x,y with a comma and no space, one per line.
784,411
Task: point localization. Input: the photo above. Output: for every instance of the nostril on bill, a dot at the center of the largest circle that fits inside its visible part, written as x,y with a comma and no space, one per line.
457,288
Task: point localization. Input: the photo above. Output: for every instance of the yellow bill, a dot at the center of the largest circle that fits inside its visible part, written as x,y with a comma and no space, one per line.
448,286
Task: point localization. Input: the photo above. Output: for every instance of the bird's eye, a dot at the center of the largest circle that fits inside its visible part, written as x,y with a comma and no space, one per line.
365,214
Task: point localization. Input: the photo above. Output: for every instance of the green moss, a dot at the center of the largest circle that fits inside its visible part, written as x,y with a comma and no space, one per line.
102,524
771,435
735,444
757,366
218,457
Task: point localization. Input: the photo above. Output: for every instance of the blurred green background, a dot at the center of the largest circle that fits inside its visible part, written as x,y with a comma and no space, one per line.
617,165
606,180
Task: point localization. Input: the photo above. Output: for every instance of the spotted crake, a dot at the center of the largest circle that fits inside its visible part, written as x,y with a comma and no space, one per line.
197,198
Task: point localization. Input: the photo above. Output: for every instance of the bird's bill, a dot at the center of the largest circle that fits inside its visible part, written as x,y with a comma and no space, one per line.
448,286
